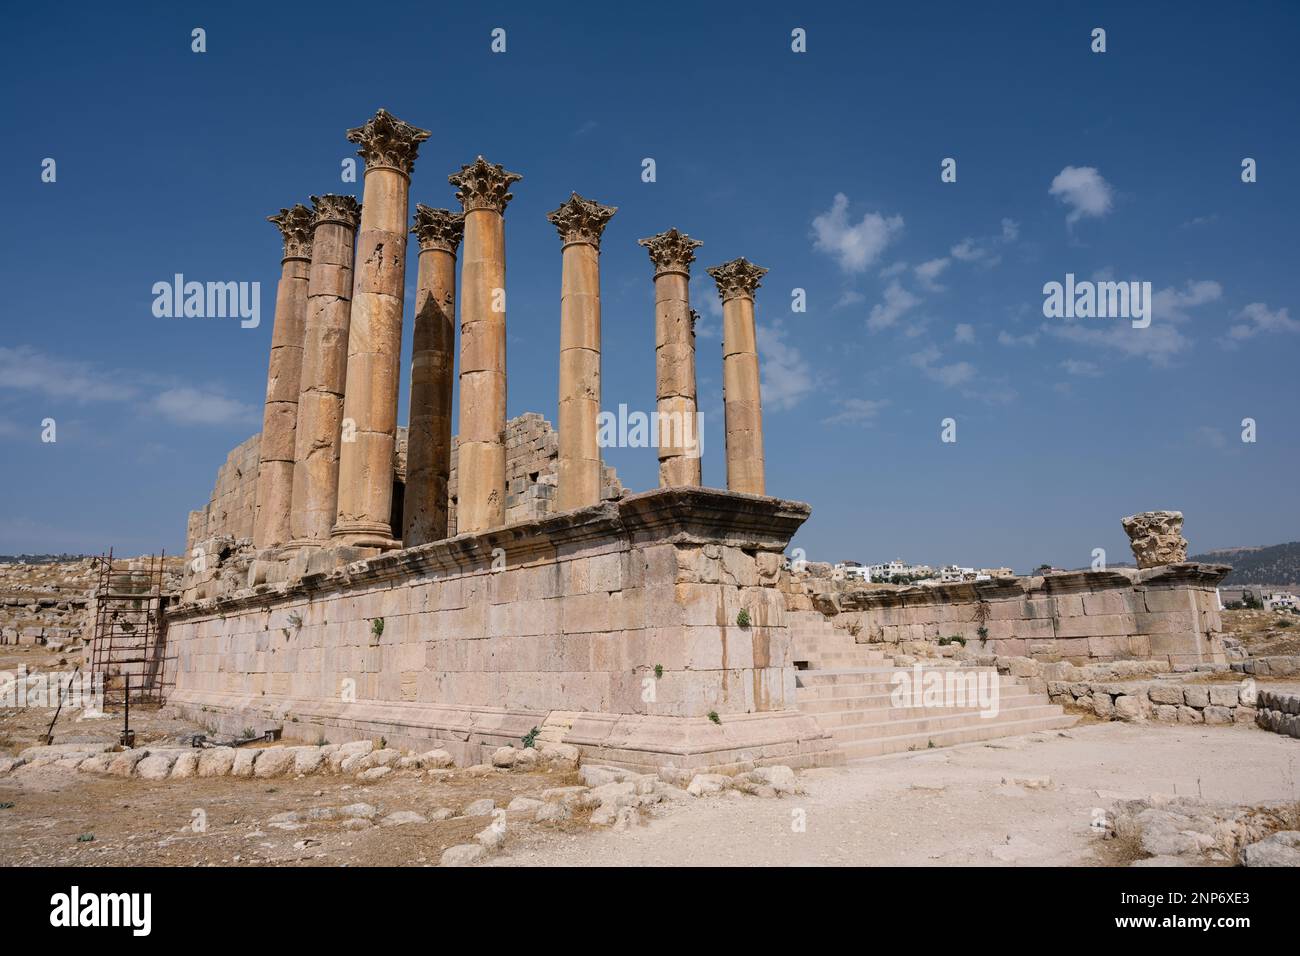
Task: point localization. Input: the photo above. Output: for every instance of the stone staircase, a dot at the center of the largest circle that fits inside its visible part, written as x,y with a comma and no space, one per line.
848,689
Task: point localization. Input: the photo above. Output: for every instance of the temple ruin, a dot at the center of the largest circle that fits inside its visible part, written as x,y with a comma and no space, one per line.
351,579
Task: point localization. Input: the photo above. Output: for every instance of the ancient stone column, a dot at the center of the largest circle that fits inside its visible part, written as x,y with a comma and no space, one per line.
672,253
274,494
580,223
742,401
389,147
483,190
324,367
433,359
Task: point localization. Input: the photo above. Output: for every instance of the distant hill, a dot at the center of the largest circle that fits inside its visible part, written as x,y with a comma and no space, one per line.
41,558
1275,564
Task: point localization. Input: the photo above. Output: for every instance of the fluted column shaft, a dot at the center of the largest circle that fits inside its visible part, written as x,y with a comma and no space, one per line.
428,446
578,468
679,440
737,280
320,399
481,452
274,493
365,500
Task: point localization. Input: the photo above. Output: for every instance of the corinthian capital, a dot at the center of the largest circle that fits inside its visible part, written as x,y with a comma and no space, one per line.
295,227
484,185
438,228
344,210
581,220
671,251
737,279
386,141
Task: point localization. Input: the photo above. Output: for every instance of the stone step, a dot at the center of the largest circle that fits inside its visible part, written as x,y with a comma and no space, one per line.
833,660
877,747
936,724
818,706
868,687
871,674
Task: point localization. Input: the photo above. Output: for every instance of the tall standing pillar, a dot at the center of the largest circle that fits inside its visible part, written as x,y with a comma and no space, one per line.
483,190
274,494
365,507
672,253
428,445
580,223
737,281
324,367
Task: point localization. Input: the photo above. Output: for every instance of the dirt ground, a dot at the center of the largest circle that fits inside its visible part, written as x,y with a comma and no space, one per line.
950,807
1264,633
1029,800
224,821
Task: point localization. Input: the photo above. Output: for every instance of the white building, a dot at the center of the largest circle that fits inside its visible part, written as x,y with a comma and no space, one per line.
1279,601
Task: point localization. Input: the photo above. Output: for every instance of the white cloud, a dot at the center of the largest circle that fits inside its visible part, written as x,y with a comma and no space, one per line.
854,247
856,411
1258,317
1160,341
898,268
1084,190
928,272
192,406
787,377
950,375
964,333
62,379
850,297
897,302
984,251
1029,339
1081,368
1171,305
26,369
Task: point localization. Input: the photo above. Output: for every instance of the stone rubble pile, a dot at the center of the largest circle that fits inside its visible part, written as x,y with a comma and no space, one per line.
360,759
617,798
1180,831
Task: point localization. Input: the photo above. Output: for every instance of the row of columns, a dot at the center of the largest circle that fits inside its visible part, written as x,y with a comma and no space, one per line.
330,421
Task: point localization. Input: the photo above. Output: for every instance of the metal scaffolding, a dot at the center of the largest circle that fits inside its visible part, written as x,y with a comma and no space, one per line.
129,651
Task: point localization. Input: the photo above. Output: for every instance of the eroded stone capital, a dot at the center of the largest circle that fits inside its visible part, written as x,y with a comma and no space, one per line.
344,210
484,185
295,225
387,142
737,279
581,220
671,251
438,228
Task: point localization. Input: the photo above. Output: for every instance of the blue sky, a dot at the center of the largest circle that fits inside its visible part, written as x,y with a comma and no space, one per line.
924,298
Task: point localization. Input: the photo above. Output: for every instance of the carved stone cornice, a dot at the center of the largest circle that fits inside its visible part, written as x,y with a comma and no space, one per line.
438,228
671,251
737,279
484,185
387,142
295,225
581,220
343,210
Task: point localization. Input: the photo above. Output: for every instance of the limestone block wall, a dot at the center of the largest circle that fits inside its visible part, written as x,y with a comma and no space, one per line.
229,510
532,447
1169,612
614,627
